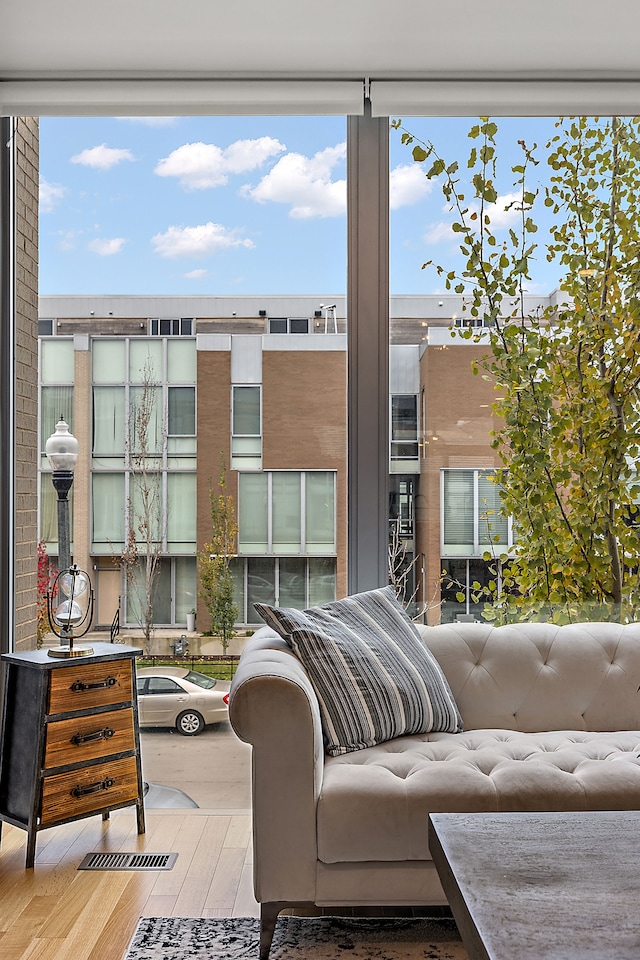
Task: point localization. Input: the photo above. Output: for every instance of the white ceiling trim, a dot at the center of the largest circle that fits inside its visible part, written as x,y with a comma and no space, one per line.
181,97
505,98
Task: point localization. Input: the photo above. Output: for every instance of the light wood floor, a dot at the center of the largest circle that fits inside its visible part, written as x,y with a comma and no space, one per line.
57,912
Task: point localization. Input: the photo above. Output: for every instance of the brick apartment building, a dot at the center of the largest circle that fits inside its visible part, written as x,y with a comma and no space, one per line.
261,382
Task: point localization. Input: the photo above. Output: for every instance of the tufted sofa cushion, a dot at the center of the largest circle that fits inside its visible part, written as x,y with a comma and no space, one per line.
540,676
374,804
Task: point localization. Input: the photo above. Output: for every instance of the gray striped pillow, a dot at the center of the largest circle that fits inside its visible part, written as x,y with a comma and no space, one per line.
374,676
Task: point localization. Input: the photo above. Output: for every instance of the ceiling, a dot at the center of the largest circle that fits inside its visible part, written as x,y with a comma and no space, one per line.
383,39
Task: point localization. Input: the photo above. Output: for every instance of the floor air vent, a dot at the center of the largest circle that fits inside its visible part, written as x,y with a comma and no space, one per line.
128,861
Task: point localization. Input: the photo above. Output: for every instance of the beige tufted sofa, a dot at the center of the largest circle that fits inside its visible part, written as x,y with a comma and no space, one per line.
551,722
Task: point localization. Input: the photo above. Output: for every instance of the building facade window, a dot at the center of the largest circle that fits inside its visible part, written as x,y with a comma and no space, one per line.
174,593
297,582
181,410
472,526
288,325
403,433
246,427
472,522
286,540
56,401
45,327
171,327
461,578
287,511
160,373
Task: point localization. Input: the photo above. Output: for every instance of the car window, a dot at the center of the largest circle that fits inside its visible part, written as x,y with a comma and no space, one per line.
141,683
208,683
163,685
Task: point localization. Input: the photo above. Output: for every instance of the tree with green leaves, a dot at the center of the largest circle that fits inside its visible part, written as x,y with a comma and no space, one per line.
214,561
567,379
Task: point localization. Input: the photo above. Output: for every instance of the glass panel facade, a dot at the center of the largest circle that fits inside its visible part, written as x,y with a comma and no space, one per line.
55,402
458,503
493,527
292,586
108,505
472,521
182,411
404,427
322,580
145,419
181,511
261,585
185,587
286,521
320,512
246,411
56,361
145,506
297,582
287,512
108,361
181,361
145,360
253,519
108,420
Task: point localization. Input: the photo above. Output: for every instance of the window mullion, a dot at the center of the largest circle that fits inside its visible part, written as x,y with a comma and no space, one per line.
269,512
476,515
303,512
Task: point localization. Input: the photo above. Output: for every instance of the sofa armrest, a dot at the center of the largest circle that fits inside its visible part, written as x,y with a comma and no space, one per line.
273,707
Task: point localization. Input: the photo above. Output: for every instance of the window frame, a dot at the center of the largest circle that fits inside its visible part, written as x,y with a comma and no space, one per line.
478,547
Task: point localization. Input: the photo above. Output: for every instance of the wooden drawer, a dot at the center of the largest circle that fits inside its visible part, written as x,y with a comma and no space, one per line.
88,790
88,738
90,685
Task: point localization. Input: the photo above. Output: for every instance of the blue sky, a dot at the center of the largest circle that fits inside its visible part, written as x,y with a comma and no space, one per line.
240,205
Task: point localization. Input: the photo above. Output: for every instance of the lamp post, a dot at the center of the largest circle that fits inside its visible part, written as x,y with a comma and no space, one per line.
62,453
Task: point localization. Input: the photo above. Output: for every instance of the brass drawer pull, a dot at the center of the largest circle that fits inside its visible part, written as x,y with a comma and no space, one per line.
80,687
92,788
103,734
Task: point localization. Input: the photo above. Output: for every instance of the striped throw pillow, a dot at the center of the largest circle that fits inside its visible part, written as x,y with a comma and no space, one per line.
374,676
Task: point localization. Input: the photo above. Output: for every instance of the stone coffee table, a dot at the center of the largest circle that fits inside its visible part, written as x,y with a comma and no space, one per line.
542,886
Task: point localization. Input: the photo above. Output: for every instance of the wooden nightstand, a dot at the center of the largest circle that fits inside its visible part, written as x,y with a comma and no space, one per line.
70,742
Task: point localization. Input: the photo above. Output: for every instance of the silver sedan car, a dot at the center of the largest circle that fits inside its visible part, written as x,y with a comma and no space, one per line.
177,696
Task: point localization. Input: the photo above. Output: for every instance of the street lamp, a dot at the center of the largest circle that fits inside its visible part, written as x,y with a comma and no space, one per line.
62,453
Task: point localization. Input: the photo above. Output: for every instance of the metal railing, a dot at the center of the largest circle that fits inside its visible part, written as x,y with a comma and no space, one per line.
114,630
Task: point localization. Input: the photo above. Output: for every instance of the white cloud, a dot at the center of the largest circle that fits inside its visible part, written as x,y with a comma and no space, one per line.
68,239
201,241
102,157
199,166
407,185
440,231
107,248
50,195
305,183
501,218
195,274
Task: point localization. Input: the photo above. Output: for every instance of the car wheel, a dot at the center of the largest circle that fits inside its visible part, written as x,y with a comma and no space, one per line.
190,723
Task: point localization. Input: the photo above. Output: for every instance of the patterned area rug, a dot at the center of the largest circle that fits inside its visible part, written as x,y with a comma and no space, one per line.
297,938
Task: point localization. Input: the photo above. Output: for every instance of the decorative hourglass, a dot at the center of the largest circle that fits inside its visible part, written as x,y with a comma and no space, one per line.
72,617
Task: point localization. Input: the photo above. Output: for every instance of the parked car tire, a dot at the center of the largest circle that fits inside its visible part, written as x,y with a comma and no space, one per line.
190,723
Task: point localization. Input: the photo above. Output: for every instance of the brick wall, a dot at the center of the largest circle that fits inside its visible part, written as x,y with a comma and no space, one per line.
26,379
455,434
